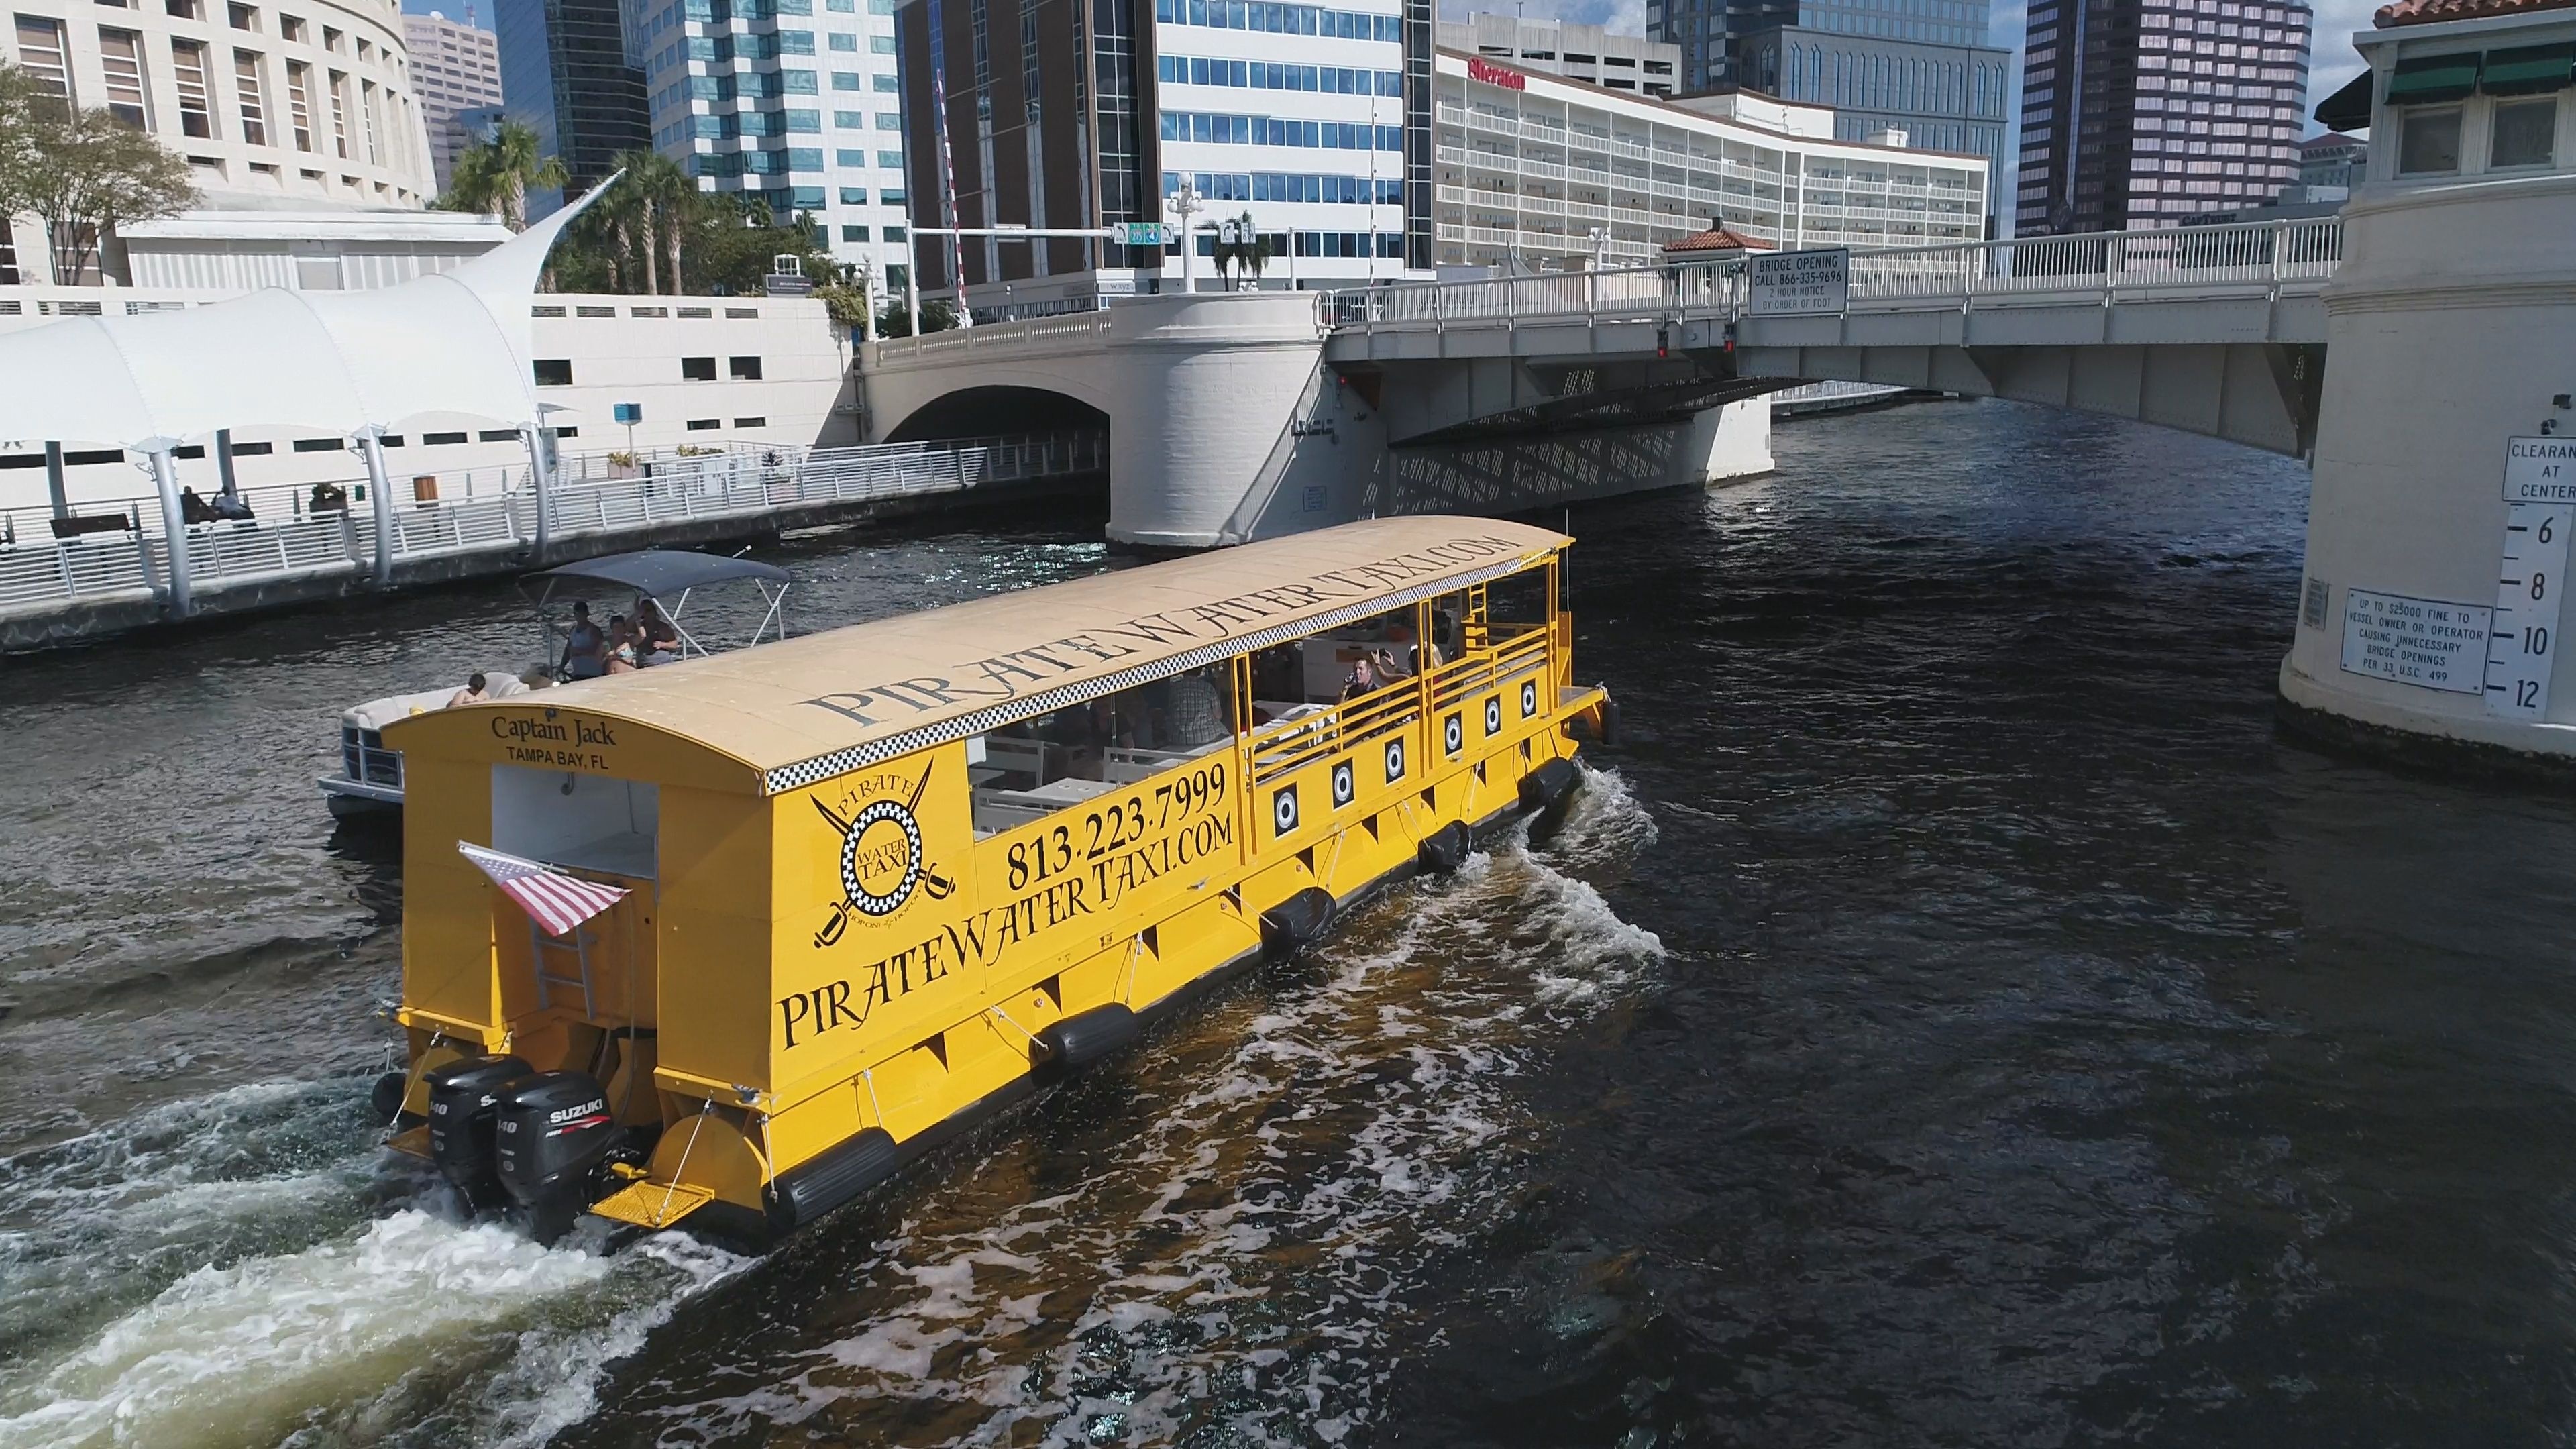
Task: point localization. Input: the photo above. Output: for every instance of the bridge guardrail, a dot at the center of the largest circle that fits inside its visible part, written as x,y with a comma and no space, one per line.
728,485
2274,256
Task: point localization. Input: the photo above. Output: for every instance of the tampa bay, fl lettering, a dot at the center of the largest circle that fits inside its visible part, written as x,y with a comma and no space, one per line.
564,744
1008,676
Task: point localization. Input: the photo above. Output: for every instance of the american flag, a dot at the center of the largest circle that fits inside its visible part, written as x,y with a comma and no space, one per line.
556,902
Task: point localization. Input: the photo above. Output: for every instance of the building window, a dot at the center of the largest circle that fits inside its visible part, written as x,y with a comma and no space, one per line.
40,55
432,440
189,70
254,115
340,114
886,82
554,371
881,44
2429,144
842,40
848,80
299,103
318,445
290,28
120,58
894,234
705,425
184,9
851,158
853,195
892,161
746,369
697,369
854,233
244,18
2525,134
889,121
751,422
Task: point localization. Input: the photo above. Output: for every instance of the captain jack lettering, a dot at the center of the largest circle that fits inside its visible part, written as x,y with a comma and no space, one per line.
1008,676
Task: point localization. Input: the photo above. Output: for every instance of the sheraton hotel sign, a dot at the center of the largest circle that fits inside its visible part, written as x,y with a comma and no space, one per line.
1510,80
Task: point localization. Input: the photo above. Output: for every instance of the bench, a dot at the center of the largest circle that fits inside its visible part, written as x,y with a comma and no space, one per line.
79,524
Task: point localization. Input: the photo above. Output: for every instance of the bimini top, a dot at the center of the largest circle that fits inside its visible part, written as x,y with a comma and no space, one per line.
653,571
808,709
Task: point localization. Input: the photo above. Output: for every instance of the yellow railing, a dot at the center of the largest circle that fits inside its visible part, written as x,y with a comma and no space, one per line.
1510,653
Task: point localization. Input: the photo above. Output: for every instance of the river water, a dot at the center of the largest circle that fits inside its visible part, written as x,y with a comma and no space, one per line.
1952,1016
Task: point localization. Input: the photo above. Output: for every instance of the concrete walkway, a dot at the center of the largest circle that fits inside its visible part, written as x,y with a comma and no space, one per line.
71,590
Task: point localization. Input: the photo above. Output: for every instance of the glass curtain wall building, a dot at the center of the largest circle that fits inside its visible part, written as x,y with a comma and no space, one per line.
2139,113
1313,120
794,103
564,75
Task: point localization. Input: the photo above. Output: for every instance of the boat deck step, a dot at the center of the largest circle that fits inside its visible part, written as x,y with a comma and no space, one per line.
653,1204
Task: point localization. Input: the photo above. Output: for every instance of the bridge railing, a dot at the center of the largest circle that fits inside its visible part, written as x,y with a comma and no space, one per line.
733,484
2297,255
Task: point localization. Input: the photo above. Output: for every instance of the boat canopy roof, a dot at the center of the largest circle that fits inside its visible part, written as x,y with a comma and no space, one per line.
653,571
808,709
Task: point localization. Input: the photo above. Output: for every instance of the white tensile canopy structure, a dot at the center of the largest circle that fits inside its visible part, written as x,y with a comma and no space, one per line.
352,363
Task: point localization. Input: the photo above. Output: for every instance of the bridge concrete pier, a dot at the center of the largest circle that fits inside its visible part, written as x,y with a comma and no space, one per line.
2442,352
1228,423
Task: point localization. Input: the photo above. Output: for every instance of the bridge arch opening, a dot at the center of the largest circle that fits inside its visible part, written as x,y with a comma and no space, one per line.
986,412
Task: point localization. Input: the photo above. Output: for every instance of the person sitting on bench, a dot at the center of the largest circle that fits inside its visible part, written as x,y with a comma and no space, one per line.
193,509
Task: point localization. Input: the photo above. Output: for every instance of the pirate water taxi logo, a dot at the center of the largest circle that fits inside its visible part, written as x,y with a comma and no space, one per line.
883,860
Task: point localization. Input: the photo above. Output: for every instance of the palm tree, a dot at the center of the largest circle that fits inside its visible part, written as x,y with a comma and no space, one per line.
667,202
497,175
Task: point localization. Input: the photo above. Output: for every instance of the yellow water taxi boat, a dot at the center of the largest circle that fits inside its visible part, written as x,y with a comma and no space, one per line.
732,939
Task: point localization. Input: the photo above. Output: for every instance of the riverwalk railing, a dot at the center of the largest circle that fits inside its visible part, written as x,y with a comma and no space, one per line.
734,484
2274,258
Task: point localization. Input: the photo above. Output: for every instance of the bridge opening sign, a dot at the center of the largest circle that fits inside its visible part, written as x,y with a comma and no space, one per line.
1800,284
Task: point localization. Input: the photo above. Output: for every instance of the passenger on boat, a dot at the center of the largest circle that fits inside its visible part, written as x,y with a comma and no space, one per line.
1195,711
472,693
193,509
585,653
329,498
229,505
657,639
621,646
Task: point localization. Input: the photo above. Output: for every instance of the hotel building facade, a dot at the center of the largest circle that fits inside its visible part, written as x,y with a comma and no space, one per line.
1528,166
456,68
299,123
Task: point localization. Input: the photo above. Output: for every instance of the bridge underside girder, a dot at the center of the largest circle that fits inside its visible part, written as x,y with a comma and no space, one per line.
2263,395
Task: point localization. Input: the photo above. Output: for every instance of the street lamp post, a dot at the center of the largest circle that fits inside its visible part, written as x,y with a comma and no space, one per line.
1182,204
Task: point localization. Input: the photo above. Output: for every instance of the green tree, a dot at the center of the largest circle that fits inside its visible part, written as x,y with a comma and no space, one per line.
83,172
494,177
668,205
894,321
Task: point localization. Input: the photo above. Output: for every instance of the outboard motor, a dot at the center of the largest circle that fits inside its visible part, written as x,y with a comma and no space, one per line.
553,1130
461,1097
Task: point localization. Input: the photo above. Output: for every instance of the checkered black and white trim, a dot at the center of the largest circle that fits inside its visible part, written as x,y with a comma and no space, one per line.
1046,701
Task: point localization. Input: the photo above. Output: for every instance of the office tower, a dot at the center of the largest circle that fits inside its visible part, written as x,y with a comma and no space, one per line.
2138,113
453,68
1919,67
1588,53
1314,119
791,101
566,76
